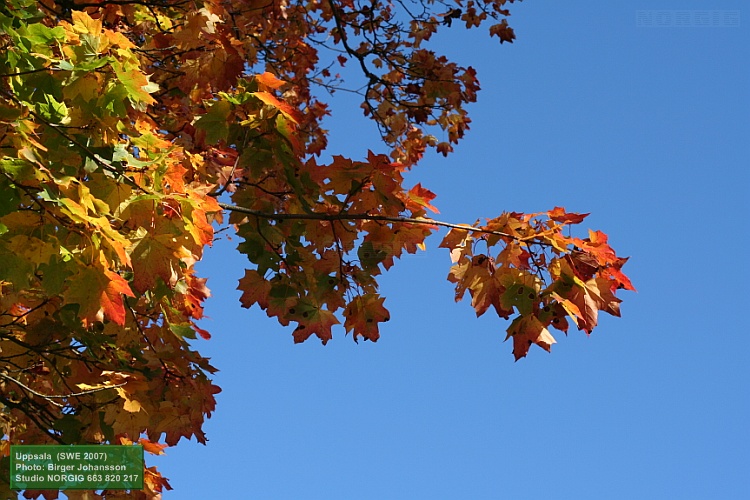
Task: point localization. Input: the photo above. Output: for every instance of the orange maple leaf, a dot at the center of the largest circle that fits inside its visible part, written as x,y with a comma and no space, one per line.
285,108
620,280
154,256
527,330
419,197
111,296
558,214
255,289
363,315
269,80
98,292
151,447
197,292
154,481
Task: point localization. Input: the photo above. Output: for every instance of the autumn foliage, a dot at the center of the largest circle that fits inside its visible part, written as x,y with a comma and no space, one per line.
130,131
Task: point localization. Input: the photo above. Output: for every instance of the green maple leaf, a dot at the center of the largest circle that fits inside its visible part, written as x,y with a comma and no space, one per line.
216,122
521,296
137,86
369,256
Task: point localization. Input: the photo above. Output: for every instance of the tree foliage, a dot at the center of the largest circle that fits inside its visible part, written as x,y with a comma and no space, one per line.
131,130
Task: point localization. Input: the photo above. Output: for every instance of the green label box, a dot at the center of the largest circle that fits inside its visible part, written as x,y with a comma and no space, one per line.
76,467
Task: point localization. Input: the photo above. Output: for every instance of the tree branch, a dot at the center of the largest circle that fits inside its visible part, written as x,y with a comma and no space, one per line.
44,427
385,218
28,72
50,397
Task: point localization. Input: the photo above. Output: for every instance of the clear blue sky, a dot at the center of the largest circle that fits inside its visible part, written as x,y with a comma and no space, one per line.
647,128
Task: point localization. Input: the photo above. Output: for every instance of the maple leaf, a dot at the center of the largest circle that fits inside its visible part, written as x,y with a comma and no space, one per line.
317,321
528,330
154,257
421,197
568,307
269,80
125,422
195,294
174,424
174,178
131,405
363,316
151,447
137,86
199,227
588,306
519,296
596,245
215,122
521,291
154,481
285,108
486,293
479,276
84,23
503,32
554,314
457,241
99,293
605,297
560,215
619,279
255,289
584,264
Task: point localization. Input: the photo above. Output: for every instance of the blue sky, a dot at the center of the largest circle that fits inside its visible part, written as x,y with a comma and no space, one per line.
647,128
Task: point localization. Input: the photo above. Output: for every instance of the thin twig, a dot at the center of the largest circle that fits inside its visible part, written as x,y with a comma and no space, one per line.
58,396
27,72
